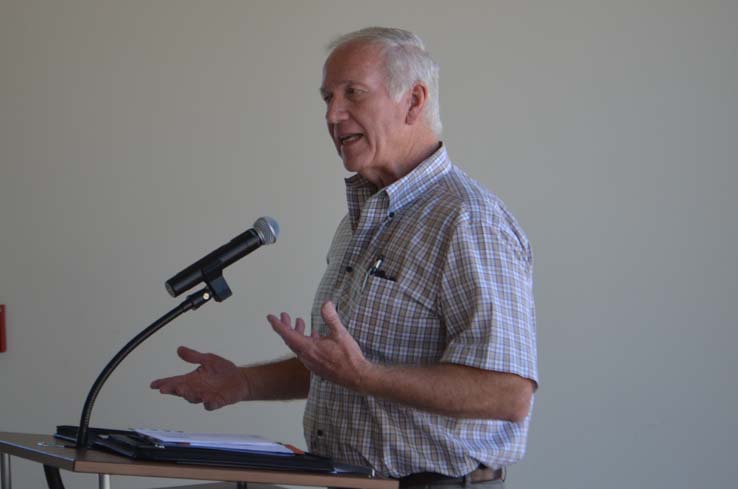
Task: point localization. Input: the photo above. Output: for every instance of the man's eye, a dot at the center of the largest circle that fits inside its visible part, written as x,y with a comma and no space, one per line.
326,98
352,92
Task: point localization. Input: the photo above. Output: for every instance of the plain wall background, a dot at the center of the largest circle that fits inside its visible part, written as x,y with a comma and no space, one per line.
135,136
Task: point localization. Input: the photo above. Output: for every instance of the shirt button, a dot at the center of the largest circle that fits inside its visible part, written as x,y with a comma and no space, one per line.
349,269
320,432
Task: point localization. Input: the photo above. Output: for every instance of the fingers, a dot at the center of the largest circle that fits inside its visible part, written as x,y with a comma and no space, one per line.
168,385
195,387
191,356
216,402
285,323
176,386
158,383
183,391
300,326
280,326
330,316
209,401
274,321
295,338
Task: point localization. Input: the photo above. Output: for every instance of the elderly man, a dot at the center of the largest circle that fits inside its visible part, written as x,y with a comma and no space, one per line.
421,359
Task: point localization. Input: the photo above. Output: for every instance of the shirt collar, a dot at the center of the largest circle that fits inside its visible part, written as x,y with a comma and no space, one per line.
400,193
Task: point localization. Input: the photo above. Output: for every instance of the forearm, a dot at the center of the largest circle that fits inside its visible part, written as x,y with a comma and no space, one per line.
279,380
451,390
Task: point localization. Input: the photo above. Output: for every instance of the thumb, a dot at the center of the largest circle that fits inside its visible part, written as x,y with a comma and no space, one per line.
191,356
330,316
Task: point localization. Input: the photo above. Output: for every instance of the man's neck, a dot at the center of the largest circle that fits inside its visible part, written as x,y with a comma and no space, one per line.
418,152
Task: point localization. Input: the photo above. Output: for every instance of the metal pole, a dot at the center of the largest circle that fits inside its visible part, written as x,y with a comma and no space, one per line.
5,479
103,481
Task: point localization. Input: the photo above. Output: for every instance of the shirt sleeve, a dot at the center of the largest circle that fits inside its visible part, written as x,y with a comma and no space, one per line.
486,299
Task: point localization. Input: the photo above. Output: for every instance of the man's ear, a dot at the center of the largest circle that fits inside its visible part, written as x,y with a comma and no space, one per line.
418,97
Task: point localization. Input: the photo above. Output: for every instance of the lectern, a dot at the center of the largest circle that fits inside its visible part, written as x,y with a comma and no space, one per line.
47,450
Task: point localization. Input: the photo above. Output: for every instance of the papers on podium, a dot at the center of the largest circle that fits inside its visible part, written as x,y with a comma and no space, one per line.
213,449
221,441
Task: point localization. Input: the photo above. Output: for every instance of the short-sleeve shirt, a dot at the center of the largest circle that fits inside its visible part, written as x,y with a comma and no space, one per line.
430,269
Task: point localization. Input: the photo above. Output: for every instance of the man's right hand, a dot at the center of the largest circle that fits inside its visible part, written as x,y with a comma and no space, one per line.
217,382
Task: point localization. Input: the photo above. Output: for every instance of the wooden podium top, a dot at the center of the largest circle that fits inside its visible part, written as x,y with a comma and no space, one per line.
47,450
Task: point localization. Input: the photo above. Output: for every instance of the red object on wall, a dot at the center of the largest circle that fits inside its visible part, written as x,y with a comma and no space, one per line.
3,342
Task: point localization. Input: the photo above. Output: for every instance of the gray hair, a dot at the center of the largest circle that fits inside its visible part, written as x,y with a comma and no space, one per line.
406,62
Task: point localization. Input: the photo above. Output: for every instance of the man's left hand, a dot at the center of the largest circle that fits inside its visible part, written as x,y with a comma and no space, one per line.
335,357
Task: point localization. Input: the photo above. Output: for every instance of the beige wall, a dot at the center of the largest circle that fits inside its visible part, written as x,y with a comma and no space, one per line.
137,135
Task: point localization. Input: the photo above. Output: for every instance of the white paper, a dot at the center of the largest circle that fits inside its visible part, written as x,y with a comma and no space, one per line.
214,440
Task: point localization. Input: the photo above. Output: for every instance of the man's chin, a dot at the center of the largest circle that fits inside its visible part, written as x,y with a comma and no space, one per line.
352,165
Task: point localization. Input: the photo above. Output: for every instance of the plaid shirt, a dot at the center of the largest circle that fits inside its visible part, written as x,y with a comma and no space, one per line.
454,285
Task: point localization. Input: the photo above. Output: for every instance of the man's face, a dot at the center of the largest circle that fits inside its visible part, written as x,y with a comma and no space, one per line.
367,126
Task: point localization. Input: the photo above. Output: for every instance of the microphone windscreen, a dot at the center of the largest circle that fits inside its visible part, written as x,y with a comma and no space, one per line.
268,229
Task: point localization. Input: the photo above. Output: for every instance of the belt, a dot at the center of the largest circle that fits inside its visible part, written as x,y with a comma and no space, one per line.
482,474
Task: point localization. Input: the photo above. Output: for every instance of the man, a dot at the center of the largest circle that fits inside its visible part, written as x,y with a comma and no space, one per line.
421,360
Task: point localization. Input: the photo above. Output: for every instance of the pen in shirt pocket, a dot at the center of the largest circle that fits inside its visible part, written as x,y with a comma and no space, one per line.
373,270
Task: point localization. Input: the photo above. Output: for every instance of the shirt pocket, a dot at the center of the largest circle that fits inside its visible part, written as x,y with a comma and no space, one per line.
397,323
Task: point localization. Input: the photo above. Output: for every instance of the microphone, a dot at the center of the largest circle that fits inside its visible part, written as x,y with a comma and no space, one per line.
265,231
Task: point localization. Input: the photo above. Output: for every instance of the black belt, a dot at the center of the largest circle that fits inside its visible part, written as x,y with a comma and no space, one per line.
482,474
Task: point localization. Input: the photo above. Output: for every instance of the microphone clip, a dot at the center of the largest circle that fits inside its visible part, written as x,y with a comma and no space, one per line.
213,278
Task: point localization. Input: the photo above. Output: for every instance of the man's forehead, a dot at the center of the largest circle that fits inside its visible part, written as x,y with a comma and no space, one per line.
352,63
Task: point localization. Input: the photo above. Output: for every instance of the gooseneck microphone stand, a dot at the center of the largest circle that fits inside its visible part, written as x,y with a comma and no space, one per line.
216,288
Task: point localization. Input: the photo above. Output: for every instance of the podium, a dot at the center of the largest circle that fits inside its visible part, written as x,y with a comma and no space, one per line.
47,450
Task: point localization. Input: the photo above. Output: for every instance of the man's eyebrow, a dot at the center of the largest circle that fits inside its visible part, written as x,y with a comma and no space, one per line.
323,89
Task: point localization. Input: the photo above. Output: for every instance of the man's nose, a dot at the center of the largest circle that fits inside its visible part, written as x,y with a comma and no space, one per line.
335,111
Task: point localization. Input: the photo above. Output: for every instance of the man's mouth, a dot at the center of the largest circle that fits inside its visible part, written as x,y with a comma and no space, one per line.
349,138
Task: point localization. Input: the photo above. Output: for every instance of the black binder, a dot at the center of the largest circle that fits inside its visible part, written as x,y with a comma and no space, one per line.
132,445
